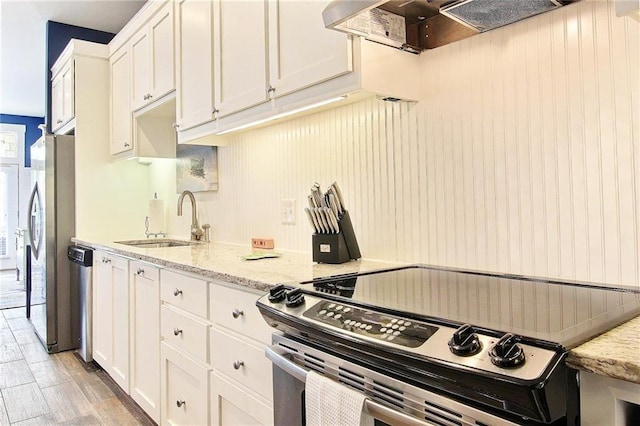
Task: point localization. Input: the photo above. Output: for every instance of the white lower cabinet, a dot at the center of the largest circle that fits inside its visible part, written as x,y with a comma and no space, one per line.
144,286
188,351
185,389
231,405
111,316
607,401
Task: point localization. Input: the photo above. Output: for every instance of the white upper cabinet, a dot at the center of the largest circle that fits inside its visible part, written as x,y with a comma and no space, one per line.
152,59
62,96
120,105
240,58
194,50
302,52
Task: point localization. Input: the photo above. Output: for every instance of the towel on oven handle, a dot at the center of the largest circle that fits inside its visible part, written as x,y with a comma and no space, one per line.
329,403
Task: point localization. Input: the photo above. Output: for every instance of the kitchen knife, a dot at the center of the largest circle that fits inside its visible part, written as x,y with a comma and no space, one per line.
334,220
332,191
333,204
312,221
323,229
317,195
339,194
325,221
312,202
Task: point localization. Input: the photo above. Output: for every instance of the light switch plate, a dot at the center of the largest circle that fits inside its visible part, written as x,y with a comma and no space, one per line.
288,211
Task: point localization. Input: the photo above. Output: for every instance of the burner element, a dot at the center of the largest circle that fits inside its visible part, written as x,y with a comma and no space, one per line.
465,341
277,293
294,298
506,352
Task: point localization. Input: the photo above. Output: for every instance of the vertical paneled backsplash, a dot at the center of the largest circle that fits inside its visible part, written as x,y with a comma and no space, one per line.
522,157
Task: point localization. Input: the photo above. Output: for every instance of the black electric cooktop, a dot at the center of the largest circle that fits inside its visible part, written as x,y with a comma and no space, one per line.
565,313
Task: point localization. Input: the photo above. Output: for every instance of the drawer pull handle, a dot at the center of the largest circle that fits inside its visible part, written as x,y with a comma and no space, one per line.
140,271
180,403
106,260
177,292
176,331
237,364
237,313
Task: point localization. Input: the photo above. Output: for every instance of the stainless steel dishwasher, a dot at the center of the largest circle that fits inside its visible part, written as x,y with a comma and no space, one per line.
81,268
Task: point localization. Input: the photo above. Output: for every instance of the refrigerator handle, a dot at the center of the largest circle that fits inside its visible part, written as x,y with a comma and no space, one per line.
34,194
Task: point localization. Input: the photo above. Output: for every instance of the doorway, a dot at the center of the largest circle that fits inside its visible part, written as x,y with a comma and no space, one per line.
12,171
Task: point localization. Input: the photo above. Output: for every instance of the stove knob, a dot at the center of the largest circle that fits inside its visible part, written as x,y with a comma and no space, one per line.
294,298
506,352
277,293
464,341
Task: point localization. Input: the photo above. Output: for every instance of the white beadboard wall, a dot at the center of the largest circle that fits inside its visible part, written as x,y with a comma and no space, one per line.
522,157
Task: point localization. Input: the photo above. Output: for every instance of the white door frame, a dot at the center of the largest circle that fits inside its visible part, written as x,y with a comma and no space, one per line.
12,166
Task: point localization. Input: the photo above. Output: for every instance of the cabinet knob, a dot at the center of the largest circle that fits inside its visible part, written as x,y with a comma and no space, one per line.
145,97
237,313
126,144
177,292
176,331
58,121
149,96
215,111
106,260
271,89
175,125
180,403
237,364
140,271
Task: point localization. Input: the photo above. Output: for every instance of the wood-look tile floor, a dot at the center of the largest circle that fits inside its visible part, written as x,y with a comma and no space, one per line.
37,388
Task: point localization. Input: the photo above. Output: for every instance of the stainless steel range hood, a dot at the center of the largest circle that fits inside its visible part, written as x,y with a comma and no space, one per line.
415,25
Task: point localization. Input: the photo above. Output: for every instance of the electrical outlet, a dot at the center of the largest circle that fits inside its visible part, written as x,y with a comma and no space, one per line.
288,211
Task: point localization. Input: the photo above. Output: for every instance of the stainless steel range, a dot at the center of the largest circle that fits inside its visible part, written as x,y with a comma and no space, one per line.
434,346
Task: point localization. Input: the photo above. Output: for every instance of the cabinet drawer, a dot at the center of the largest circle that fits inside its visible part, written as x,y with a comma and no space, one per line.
186,333
236,309
185,292
185,389
231,405
253,368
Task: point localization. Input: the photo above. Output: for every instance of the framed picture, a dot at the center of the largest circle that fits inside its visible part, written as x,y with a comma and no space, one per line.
196,168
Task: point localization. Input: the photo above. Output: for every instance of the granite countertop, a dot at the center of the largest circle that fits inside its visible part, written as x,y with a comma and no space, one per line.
614,354
223,261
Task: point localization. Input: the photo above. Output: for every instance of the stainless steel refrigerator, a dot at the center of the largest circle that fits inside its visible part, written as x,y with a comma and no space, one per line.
54,307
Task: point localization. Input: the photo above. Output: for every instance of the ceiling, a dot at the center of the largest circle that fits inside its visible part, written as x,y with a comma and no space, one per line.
23,39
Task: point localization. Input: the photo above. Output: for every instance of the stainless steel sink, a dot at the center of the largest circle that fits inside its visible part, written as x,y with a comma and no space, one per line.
157,243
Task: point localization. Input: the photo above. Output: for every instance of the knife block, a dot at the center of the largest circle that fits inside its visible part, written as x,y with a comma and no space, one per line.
336,248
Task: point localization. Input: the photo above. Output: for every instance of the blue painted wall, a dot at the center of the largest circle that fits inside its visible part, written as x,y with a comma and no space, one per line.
32,134
58,36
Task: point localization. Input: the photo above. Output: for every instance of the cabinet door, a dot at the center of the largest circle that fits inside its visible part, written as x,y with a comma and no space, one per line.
140,69
111,316
68,92
302,51
57,101
241,74
120,103
102,310
185,386
162,47
194,91
144,307
231,405
120,322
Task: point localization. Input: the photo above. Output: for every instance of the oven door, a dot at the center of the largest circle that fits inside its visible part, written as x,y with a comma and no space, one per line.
389,401
288,396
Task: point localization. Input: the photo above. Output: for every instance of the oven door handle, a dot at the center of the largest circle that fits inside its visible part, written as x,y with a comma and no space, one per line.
371,407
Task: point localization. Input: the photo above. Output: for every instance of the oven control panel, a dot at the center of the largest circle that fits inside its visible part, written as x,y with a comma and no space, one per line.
463,345
371,324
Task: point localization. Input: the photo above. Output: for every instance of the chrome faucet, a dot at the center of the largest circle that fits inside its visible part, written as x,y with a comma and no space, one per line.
196,232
